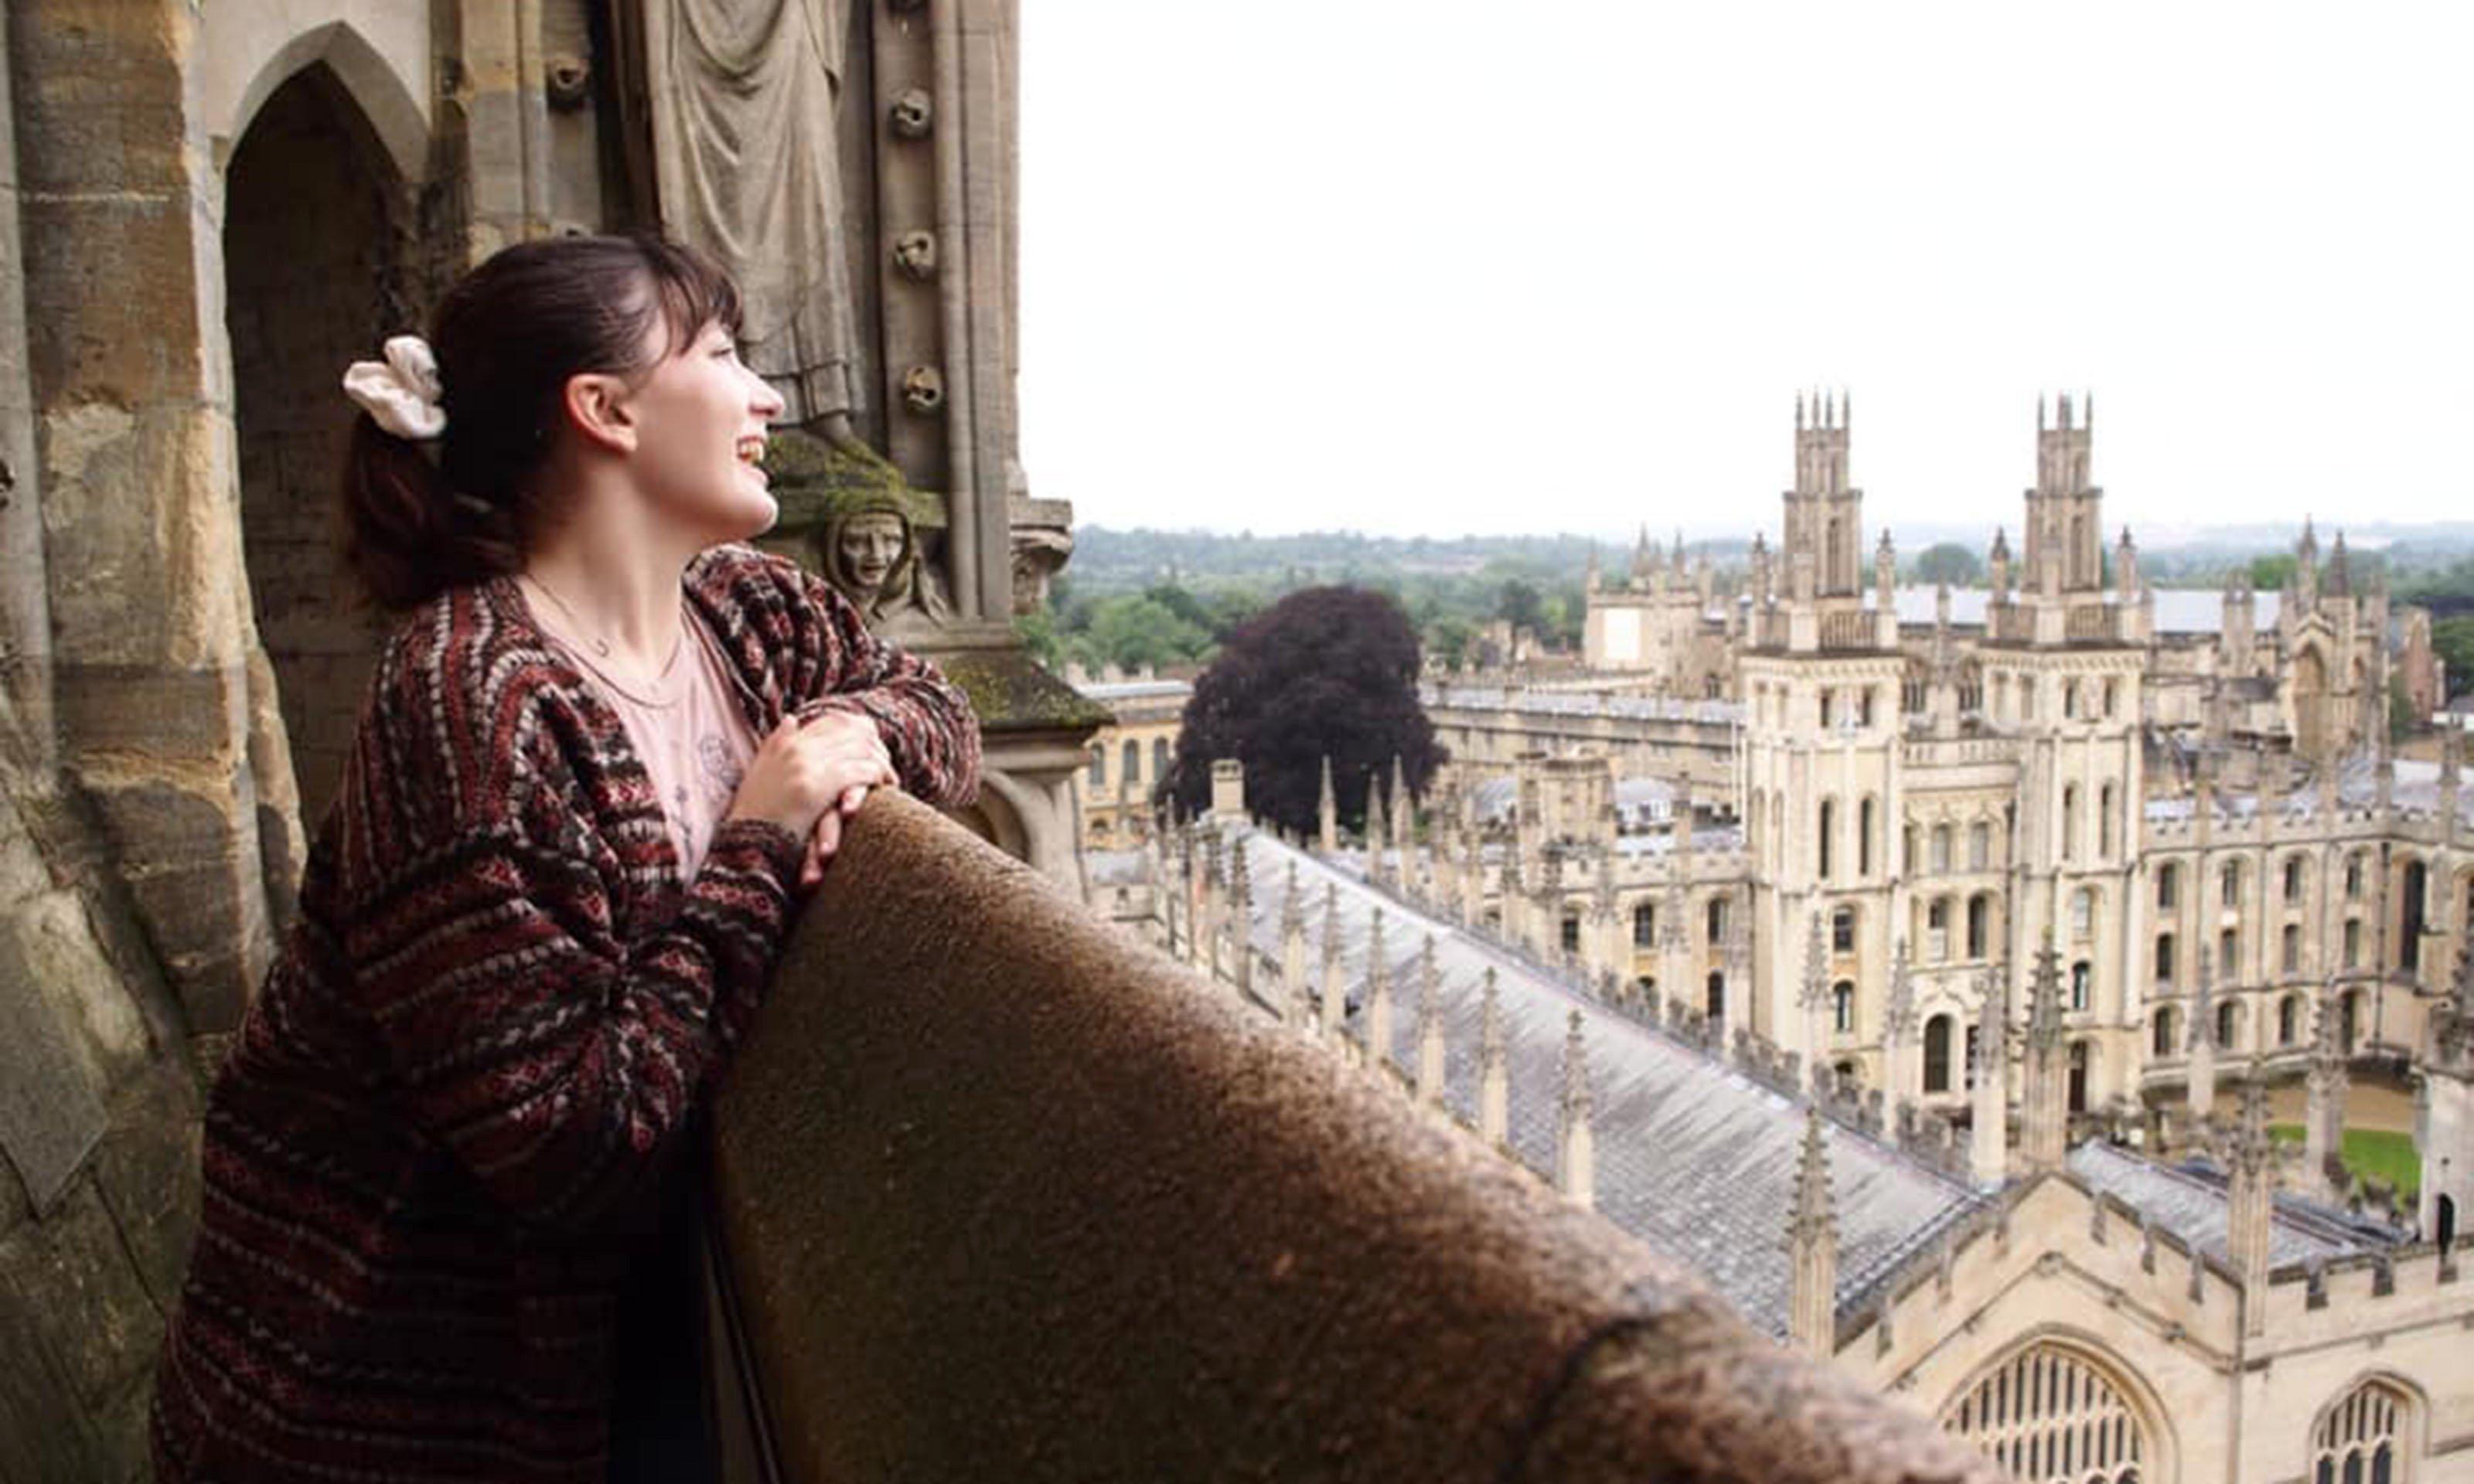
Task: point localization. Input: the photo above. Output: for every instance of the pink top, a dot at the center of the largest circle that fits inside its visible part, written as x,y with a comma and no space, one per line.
687,725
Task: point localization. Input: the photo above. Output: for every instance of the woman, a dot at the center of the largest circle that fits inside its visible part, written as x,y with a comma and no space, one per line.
596,768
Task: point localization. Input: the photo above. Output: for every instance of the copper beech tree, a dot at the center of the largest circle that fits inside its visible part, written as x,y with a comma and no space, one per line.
1325,672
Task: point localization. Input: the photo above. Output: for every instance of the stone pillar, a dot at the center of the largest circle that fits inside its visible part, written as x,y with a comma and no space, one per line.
2044,1106
1228,789
165,707
2323,1114
1493,1085
1377,834
1812,1246
2248,1203
1576,1161
2202,1037
1327,814
1989,1136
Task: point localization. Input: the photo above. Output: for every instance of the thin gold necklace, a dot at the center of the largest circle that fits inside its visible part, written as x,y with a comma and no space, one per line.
600,645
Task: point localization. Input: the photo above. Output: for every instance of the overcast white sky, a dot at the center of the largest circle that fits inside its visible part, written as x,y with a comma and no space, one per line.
1434,265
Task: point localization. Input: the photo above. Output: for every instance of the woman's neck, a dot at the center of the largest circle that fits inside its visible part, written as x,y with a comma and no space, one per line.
618,584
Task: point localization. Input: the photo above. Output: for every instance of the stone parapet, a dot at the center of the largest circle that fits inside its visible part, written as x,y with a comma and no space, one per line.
1002,1196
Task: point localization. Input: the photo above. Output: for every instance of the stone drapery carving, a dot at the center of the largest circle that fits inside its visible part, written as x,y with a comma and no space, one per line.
743,95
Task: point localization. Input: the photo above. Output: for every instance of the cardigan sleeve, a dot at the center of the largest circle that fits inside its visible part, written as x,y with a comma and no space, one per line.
927,722
555,1059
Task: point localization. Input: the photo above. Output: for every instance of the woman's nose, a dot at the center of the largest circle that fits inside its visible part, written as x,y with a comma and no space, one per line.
767,403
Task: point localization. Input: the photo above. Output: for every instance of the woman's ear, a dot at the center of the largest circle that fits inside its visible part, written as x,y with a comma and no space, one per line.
595,404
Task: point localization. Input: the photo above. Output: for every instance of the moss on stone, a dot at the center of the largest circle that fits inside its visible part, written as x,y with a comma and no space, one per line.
1012,694
818,481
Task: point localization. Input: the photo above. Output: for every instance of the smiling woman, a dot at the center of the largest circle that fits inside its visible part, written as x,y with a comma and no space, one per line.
449,1166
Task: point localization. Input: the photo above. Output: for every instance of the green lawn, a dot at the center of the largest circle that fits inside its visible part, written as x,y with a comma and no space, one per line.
2372,1154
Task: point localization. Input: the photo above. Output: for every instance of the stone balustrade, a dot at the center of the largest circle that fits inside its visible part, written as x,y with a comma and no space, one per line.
1002,1195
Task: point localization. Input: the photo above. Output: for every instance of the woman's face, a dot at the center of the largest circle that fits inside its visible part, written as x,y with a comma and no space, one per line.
701,416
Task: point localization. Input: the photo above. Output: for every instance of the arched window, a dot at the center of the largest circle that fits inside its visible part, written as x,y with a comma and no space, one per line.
2228,956
2070,822
2349,1020
1645,925
2069,701
2104,820
2410,917
1099,769
2229,1025
1571,931
1842,1007
1937,1054
2112,698
1864,826
2289,1017
1714,920
2078,1076
1826,826
1938,930
2169,884
1160,758
2229,884
1979,847
2363,1438
1941,847
2353,943
2293,881
1714,1006
2048,1416
2165,958
2290,948
1980,924
1130,771
1842,930
2083,913
2082,981
2354,876
2164,1043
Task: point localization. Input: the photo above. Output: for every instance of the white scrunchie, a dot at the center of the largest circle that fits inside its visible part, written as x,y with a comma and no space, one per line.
400,391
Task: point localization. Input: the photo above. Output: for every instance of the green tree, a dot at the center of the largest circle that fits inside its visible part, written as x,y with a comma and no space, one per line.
1136,631
1325,672
1517,602
1949,562
2271,573
2452,639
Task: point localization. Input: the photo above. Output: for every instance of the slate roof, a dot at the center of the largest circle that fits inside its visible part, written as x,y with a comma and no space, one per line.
1692,1158
2178,610
2192,1203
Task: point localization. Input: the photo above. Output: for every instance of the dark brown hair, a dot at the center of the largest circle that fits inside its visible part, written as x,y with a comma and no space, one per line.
507,337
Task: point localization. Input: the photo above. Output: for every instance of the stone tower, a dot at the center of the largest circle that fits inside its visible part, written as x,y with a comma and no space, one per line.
1824,513
2065,530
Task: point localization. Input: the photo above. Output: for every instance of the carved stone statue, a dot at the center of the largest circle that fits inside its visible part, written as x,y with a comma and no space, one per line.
741,96
863,525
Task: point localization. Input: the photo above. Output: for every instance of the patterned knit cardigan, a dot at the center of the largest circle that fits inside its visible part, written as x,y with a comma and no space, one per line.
448,1117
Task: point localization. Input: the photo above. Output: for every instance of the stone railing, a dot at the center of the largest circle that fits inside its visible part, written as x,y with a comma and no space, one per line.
1002,1195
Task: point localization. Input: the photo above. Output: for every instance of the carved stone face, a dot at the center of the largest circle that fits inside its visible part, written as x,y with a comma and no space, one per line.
870,546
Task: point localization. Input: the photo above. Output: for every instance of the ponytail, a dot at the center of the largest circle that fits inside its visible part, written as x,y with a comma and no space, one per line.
407,535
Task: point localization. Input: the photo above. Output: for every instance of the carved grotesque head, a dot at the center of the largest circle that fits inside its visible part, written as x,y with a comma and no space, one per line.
870,550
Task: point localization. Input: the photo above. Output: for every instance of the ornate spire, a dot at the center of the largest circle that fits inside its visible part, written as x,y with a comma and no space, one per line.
1378,995
1575,1143
1816,964
2044,1106
2249,1201
1899,1015
1327,811
1494,1088
1377,832
1430,1026
1333,1006
1241,915
1812,1246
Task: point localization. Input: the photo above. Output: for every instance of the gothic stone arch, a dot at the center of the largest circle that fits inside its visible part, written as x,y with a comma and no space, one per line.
2059,1405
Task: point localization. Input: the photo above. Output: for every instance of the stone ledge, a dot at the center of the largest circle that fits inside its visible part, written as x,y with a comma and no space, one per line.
1005,1197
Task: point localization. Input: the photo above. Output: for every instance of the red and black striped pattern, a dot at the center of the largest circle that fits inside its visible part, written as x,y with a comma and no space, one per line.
455,1103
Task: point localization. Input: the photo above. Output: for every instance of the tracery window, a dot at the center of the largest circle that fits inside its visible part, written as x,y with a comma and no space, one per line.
1842,1007
1645,925
1842,930
2168,881
2362,1438
1937,1054
2048,1416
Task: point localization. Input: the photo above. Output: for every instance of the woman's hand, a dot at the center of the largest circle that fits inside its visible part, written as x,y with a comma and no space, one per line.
807,777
